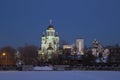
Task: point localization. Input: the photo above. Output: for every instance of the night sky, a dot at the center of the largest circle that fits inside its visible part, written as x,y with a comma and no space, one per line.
23,21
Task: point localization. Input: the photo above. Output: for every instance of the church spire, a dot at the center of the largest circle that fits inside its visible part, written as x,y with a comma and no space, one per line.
50,27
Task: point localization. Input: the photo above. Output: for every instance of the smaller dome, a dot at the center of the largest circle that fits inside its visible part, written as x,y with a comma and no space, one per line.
56,34
50,27
43,35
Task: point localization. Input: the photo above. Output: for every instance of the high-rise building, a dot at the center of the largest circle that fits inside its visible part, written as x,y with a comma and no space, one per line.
49,42
80,45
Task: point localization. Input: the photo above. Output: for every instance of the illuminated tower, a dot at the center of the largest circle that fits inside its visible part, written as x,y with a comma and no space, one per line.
49,42
80,45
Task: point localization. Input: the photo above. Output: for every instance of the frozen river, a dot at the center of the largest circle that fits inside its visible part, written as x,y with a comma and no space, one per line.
59,75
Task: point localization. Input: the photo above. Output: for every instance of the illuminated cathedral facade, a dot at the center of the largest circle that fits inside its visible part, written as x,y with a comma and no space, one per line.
49,43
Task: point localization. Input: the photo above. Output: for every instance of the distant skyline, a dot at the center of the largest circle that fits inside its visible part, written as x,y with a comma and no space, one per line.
23,21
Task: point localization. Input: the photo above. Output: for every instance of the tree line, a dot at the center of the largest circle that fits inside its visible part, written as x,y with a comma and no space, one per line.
28,54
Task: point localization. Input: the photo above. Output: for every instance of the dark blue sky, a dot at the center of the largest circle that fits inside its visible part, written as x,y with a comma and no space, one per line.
23,21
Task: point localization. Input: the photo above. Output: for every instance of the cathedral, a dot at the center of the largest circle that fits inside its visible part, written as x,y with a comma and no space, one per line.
49,43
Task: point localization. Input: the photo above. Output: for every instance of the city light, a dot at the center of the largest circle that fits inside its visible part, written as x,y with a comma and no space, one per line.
4,54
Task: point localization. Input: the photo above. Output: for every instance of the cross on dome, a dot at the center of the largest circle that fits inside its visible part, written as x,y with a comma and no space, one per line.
50,21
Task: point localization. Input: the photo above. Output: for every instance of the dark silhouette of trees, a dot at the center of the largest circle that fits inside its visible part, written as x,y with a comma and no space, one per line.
7,56
88,57
29,54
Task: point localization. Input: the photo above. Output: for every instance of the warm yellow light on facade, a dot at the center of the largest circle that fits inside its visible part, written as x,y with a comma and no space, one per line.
42,53
51,28
3,54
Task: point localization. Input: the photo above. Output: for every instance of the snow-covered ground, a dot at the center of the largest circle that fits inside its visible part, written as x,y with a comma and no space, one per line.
59,75
43,68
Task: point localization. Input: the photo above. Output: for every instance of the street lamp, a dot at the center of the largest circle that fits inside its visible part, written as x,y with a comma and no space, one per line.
4,54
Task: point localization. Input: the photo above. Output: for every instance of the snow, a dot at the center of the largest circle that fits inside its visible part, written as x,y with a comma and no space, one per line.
59,75
43,68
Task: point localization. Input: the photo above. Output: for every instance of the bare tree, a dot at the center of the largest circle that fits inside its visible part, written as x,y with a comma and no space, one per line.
29,54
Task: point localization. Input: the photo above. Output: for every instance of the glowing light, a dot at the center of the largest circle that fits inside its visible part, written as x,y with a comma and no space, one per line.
42,53
51,28
3,54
